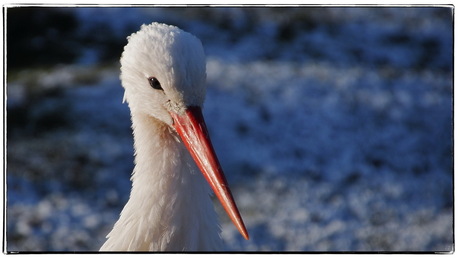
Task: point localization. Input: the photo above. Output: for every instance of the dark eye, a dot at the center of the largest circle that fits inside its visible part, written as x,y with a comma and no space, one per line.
154,83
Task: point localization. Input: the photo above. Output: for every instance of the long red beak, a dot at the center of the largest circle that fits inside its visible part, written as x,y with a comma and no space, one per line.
193,132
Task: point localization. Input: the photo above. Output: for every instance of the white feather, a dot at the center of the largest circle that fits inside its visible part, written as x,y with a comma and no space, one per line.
169,208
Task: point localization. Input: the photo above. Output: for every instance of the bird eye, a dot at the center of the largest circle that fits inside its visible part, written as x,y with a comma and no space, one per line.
154,83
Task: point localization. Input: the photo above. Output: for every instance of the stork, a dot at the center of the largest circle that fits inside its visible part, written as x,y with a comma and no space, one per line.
163,72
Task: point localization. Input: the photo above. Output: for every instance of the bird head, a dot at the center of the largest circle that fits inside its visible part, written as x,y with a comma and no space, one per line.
163,71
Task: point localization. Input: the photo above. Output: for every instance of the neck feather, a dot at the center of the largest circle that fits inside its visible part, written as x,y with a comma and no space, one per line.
169,206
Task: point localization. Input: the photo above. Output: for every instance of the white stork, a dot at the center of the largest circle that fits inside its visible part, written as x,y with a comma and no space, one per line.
163,71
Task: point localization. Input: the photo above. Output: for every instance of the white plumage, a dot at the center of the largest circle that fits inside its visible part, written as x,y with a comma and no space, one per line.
169,208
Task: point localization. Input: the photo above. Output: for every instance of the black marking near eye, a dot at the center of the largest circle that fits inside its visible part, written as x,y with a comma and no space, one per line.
154,83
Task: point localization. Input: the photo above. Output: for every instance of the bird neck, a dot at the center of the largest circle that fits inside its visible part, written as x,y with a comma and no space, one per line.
169,206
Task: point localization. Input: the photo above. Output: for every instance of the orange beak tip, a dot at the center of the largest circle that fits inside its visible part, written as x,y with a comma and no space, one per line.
246,235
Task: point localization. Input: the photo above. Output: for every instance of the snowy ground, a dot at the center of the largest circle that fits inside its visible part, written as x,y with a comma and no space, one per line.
334,128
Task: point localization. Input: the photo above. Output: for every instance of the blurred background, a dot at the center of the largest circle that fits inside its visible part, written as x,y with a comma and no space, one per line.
333,125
